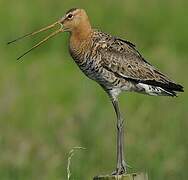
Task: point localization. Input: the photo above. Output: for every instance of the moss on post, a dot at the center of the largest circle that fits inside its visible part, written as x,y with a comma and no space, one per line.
133,176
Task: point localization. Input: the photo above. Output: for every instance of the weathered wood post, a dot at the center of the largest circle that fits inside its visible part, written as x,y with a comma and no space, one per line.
133,176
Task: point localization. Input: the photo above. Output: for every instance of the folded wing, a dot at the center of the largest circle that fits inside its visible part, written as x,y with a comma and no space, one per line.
122,58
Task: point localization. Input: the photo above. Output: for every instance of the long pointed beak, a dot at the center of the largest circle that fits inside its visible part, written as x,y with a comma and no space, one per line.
36,32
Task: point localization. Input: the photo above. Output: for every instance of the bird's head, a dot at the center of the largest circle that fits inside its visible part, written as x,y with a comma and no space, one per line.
74,20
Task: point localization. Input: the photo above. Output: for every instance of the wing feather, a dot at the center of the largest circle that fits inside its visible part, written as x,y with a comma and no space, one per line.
121,57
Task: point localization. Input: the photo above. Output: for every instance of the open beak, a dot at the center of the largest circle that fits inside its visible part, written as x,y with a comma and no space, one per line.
60,23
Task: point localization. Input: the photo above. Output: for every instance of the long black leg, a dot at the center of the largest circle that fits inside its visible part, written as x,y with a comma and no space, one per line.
121,164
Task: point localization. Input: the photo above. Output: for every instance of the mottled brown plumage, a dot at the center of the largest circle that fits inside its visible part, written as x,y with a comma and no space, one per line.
113,63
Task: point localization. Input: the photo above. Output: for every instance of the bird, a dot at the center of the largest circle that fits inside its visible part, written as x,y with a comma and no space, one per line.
114,63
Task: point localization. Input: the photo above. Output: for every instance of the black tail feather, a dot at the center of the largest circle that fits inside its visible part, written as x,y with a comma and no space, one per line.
171,93
168,86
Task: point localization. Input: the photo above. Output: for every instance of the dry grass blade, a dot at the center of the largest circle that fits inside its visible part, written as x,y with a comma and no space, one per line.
71,154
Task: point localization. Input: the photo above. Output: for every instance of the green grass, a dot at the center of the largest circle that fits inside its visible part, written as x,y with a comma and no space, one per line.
47,106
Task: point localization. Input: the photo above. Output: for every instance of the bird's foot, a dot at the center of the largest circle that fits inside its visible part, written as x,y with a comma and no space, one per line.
121,169
119,172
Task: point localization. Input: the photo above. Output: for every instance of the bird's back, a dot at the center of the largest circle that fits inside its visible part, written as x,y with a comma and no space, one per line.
116,64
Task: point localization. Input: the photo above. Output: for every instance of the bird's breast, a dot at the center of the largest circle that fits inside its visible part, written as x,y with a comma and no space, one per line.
91,65
87,56
84,60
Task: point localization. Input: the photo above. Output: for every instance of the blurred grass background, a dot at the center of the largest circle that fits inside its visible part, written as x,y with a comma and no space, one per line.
47,106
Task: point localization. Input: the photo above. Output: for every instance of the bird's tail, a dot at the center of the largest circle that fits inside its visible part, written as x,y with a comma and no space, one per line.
171,88
161,89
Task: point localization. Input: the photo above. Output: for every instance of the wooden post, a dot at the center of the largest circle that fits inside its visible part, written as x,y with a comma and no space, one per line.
133,176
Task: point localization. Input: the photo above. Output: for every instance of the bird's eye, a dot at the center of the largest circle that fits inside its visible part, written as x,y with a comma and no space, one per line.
70,16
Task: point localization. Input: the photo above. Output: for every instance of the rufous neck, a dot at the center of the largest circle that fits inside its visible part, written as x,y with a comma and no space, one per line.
82,31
